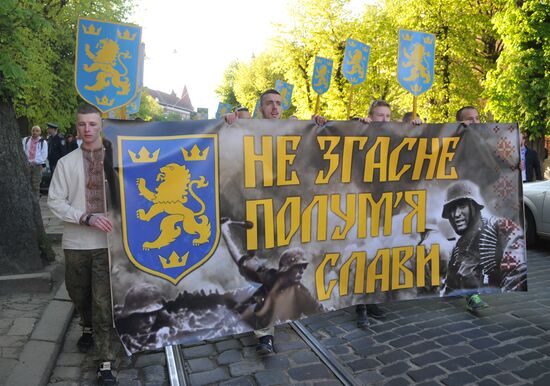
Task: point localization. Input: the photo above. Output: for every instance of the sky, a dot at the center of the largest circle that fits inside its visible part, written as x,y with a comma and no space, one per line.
191,43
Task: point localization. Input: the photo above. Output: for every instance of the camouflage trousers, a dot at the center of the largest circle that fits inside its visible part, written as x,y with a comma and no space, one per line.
36,177
88,285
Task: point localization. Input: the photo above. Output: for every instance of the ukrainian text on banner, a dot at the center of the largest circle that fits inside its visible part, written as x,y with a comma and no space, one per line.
224,229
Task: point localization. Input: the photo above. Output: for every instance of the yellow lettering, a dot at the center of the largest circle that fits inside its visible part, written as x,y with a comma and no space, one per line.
265,158
252,216
447,155
400,255
283,158
382,256
322,293
348,217
283,238
347,155
333,159
422,260
380,147
360,259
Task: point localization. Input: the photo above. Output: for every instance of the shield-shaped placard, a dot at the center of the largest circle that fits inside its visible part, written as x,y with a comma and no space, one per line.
356,61
415,68
169,202
107,63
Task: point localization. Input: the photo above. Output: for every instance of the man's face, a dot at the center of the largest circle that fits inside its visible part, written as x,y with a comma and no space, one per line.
381,114
460,216
243,114
35,132
470,116
271,107
89,129
145,322
51,131
296,272
523,140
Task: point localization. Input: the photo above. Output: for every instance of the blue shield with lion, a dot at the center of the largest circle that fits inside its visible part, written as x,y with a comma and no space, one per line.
356,61
322,74
415,68
107,63
285,89
169,202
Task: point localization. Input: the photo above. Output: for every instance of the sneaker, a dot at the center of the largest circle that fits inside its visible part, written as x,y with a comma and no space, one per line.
362,318
475,303
86,341
105,376
375,311
265,345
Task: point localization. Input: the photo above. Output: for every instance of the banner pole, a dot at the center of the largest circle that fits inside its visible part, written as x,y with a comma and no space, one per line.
349,100
415,102
317,104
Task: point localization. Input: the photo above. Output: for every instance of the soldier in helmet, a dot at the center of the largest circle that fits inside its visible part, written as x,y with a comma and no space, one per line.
281,296
489,252
142,316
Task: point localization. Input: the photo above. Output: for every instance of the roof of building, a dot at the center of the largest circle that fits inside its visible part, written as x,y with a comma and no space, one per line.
172,99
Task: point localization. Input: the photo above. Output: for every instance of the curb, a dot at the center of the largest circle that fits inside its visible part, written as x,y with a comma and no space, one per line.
39,354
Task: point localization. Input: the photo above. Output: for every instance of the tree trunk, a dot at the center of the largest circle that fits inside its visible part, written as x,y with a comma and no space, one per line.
23,242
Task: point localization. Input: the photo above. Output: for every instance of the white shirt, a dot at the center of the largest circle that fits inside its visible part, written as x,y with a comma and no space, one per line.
67,200
41,154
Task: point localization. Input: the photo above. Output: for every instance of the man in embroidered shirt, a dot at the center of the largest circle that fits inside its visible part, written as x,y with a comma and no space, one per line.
36,150
77,196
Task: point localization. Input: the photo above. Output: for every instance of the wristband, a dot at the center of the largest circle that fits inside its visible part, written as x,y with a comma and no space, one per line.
87,221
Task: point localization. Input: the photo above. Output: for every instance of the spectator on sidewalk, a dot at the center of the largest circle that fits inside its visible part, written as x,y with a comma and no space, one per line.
56,146
530,164
36,150
71,143
77,196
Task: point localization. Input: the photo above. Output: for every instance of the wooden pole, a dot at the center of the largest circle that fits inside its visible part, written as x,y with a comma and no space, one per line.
415,103
349,100
317,104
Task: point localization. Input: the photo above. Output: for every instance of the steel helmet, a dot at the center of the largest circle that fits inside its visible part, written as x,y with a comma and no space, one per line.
142,298
292,257
462,190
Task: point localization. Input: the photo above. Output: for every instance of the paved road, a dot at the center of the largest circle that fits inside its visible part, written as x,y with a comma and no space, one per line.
427,342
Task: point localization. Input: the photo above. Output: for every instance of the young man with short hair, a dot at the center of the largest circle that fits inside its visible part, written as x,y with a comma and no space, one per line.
77,196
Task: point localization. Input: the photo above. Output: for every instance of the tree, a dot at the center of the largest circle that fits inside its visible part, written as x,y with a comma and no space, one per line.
517,88
149,109
37,43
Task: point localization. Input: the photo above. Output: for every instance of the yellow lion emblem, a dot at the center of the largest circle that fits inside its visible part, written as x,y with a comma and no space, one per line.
170,197
322,77
105,61
355,62
416,61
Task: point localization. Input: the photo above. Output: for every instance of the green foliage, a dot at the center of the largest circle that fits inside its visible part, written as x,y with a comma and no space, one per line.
467,49
149,109
518,88
37,44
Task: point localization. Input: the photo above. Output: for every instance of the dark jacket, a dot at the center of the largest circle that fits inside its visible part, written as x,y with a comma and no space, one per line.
532,165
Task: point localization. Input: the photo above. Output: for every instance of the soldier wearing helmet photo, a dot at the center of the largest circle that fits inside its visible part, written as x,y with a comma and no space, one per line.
490,252
143,318
281,296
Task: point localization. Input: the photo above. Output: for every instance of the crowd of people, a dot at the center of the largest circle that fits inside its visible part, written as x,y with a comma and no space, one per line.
77,195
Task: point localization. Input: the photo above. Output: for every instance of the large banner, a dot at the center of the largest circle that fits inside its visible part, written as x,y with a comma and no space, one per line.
224,229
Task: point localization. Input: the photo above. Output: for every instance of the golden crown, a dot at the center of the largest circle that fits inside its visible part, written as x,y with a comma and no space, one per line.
407,37
144,156
174,260
91,30
195,154
428,40
104,101
126,35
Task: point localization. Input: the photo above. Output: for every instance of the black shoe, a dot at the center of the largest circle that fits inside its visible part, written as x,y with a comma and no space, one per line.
376,312
86,341
105,376
362,318
265,345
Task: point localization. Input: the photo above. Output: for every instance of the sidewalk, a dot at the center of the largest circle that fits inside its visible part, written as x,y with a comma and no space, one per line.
32,325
